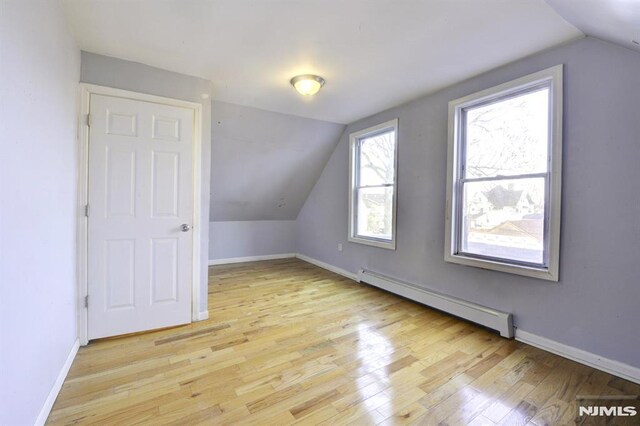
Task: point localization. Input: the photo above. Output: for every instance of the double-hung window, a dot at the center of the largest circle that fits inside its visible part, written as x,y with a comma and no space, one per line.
372,190
504,177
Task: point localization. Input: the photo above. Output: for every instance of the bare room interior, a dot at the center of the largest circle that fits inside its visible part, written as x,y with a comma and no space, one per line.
320,212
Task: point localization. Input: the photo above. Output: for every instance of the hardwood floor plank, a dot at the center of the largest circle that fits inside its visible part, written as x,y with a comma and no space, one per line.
287,342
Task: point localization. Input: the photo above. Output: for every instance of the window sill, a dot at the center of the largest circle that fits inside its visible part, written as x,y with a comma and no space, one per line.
389,245
548,274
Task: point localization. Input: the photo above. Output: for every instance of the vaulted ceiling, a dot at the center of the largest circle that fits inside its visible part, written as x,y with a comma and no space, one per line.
270,144
374,54
617,21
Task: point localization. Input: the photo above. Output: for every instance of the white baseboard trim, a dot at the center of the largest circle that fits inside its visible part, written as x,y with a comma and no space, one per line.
55,390
250,258
204,315
616,368
328,267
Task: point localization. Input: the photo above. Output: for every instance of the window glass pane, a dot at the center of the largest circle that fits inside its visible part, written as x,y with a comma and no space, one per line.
375,212
508,137
377,159
504,219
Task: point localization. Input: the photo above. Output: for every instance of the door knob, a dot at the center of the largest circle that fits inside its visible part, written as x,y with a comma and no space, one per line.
185,227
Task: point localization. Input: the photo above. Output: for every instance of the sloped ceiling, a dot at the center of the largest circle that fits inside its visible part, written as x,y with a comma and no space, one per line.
374,54
264,164
617,21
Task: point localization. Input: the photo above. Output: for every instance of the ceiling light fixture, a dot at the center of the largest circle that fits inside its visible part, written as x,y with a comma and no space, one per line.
307,84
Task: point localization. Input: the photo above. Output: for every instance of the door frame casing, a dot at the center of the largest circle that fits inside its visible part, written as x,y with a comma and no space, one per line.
86,90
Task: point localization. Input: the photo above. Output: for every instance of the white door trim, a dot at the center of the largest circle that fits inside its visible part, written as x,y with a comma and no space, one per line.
86,90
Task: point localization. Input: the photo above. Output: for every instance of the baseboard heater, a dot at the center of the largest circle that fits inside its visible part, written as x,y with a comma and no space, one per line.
496,320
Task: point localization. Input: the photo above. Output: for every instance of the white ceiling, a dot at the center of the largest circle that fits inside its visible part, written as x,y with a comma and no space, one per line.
617,21
374,54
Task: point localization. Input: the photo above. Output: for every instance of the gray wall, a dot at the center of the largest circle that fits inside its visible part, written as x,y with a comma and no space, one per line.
251,238
263,163
39,73
263,167
595,306
121,74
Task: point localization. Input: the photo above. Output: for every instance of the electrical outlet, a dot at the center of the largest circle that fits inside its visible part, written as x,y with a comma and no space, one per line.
339,246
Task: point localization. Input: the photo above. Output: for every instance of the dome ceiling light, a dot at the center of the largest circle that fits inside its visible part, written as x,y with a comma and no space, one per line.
307,84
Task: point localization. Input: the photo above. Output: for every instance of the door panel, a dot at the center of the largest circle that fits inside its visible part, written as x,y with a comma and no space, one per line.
122,124
140,193
119,280
164,270
120,182
164,183
166,128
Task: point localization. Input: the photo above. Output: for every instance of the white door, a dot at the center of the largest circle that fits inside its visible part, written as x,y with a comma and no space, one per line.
140,214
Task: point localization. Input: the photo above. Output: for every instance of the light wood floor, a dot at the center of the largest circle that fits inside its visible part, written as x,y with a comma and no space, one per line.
287,342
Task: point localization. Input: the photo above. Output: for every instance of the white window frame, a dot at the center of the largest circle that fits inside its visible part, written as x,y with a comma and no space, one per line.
550,270
354,140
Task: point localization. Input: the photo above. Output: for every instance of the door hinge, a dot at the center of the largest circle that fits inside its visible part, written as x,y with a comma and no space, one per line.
86,301
89,120
86,210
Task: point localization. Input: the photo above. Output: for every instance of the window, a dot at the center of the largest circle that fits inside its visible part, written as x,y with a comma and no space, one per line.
372,190
504,176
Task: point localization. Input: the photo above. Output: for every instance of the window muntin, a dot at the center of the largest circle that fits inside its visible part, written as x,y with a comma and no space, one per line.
504,203
373,193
